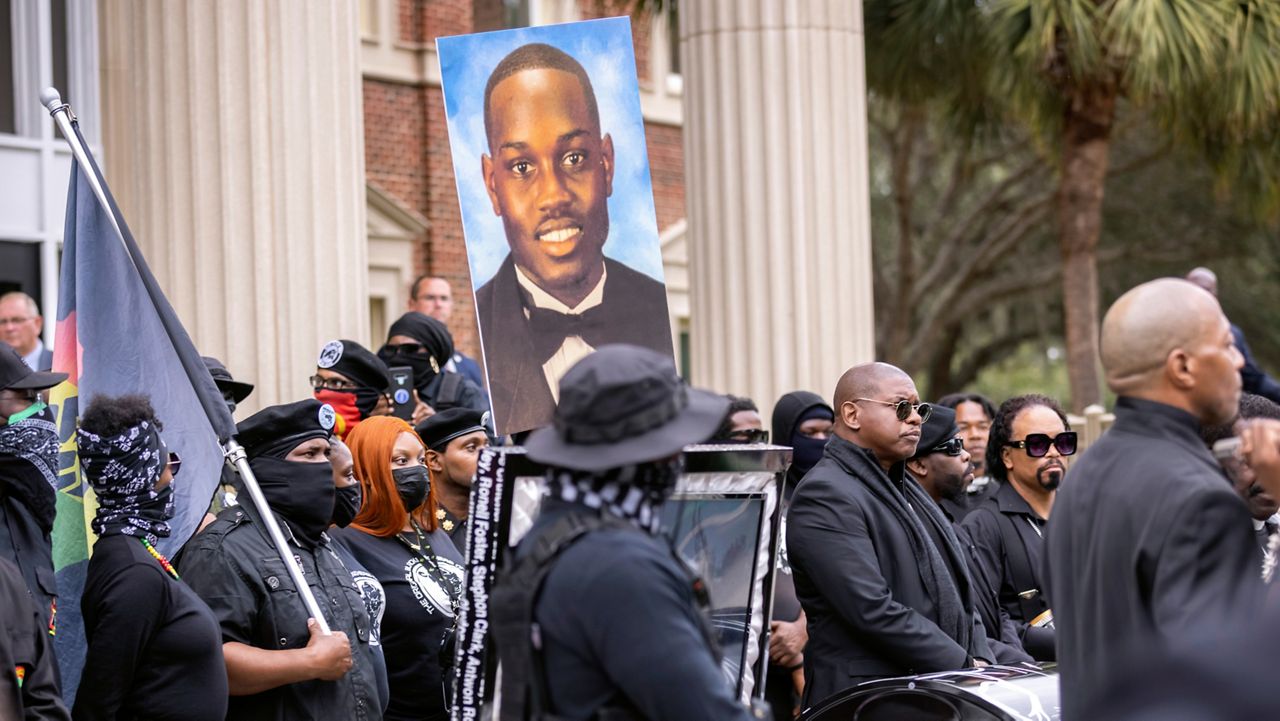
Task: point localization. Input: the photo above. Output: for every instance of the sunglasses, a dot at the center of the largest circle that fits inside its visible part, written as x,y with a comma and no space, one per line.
903,408
1037,444
175,462
405,349
750,435
953,447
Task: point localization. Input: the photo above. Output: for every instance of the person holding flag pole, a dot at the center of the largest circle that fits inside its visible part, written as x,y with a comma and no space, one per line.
117,333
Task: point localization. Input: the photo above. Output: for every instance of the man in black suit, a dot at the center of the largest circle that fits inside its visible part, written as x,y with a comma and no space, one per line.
1149,547
556,298
882,579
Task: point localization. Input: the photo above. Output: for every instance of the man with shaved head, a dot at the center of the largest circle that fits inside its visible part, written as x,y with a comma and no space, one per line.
1255,380
877,568
1149,547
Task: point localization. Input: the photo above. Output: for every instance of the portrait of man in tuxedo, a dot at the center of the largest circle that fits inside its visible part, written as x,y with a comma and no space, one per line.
549,174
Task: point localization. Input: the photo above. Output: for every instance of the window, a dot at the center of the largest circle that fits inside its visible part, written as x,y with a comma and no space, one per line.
515,13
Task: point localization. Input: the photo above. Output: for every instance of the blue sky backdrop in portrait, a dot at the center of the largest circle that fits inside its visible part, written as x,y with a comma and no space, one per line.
604,48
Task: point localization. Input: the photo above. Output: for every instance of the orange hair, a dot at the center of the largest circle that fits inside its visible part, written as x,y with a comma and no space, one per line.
382,514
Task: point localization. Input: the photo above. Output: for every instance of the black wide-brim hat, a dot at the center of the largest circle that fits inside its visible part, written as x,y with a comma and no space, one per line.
624,405
223,380
16,375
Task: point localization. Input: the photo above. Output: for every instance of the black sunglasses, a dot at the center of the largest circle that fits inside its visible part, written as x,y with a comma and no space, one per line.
1037,444
175,462
750,435
903,408
953,447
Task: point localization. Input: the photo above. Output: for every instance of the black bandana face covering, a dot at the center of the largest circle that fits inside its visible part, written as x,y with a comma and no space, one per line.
634,493
123,471
300,493
413,484
35,440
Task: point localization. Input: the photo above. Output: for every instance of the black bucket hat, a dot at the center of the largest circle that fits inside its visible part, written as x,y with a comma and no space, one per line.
223,380
938,429
17,375
624,405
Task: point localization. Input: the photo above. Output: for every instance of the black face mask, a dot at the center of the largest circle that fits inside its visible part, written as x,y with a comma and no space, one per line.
413,484
806,451
301,493
346,505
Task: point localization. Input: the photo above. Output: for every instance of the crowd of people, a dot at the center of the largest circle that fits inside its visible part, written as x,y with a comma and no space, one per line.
918,537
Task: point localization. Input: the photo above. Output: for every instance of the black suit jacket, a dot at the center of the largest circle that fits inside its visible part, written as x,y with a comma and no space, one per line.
869,612
1148,546
635,311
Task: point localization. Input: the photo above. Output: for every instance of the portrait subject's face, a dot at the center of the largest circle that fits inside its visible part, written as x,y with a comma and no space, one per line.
549,176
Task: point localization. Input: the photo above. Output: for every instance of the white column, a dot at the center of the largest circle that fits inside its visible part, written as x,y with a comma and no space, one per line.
234,144
776,179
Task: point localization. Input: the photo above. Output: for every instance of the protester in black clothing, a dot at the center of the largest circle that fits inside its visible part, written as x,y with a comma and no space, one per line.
616,612
155,651
354,381
234,393
279,664
1149,546
1030,441
28,478
454,439
1262,506
943,468
425,345
802,420
397,539
29,685
742,424
877,567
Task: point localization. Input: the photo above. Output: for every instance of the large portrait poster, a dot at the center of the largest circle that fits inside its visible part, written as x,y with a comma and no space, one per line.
557,208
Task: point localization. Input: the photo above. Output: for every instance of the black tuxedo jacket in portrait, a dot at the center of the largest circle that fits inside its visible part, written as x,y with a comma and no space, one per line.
634,311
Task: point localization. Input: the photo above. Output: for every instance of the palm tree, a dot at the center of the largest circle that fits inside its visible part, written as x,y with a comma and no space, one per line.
1207,71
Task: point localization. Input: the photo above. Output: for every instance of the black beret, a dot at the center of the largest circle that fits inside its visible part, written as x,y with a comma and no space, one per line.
356,362
431,333
439,429
940,428
276,430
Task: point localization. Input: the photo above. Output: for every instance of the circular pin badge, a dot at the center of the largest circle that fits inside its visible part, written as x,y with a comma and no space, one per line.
330,354
402,396
327,417
484,419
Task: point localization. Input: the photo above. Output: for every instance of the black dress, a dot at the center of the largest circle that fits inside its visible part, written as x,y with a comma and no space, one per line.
155,651
420,591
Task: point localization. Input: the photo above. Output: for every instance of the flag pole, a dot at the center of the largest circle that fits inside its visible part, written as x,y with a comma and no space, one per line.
51,99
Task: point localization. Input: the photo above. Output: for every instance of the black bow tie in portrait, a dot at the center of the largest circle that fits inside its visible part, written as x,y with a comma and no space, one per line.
550,329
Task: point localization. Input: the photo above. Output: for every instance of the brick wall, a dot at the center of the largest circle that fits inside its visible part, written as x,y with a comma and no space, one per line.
407,151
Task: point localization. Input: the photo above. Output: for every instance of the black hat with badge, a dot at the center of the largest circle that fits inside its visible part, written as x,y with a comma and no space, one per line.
16,375
276,430
939,428
356,362
239,390
438,430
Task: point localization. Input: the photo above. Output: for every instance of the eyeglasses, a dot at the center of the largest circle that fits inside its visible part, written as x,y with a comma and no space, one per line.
321,383
750,435
953,447
903,408
15,321
405,349
175,462
1037,444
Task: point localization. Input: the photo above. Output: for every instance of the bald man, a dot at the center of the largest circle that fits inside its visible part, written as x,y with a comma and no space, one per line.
1149,547
877,568
1255,380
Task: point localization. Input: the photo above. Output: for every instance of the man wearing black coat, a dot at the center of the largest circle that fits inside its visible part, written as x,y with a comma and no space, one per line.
882,579
1149,546
549,175
943,468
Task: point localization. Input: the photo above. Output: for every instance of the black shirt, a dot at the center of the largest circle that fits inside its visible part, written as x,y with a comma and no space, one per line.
155,651
417,615
234,568
25,643
619,620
